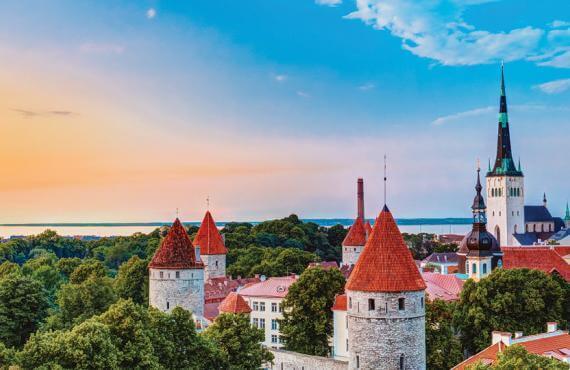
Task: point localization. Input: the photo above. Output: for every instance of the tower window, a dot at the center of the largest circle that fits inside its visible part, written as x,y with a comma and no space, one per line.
216,264
167,305
484,268
161,275
402,362
178,274
371,304
401,304
422,302
347,345
357,362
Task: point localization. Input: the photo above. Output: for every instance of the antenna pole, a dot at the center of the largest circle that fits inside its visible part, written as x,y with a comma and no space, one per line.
385,178
208,203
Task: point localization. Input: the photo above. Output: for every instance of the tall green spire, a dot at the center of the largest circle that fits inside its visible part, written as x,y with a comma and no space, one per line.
567,217
503,115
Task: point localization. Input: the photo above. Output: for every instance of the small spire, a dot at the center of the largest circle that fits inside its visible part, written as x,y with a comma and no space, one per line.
385,180
208,203
503,78
520,168
544,199
489,165
177,212
567,217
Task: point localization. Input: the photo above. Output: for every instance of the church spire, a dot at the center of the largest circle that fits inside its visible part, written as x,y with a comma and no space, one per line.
504,163
478,207
567,217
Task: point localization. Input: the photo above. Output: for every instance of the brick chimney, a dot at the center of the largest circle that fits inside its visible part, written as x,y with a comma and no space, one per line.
360,198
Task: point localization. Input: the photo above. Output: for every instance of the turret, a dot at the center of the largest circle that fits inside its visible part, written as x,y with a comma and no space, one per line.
210,248
356,238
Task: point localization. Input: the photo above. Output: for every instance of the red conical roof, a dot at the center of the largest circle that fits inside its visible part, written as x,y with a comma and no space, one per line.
234,303
385,264
209,238
368,229
176,250
356,235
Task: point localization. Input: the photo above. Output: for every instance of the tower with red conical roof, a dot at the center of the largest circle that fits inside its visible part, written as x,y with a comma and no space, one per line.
210,248
356,238
386,303
176,277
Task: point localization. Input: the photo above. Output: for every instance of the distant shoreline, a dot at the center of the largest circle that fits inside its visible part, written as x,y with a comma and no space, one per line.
318,221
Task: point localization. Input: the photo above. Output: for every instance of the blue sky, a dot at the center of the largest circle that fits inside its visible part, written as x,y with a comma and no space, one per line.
273,107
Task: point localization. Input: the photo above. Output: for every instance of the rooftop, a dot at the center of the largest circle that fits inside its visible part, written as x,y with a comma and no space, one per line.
356,234
444,287
234,303
538,258
208,237
176,250
274,287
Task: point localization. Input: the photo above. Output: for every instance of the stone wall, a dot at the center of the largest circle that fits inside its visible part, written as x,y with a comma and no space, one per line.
350,254
286,360
211,269
378,338
168,290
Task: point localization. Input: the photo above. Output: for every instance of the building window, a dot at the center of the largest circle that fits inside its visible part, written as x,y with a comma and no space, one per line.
279,307
178,274
355,249
357,362
255,306
347,345
386,307
484,268
261,306
216,264
422,302
371,304
499,213
256,322
273,307
349,302
402,362
262,323
273,338
401,304
167,305
474,268
162,275
274,324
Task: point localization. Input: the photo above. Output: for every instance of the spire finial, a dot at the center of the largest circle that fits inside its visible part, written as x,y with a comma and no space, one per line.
385,178
177,212
544,199
208,203
503,78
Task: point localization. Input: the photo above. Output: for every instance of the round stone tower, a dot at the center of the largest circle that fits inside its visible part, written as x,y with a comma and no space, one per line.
386,304
176,278
210,248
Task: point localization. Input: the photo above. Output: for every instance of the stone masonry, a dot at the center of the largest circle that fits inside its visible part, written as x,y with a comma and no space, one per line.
170,288
286,360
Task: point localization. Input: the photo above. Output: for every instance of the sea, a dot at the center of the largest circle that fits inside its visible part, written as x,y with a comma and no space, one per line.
96,230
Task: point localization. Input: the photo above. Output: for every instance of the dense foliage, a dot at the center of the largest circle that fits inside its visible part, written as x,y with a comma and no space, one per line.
443,346
516,357
307,316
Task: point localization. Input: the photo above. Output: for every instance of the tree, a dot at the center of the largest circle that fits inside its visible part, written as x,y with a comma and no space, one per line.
239,342
23,305
43,269
132,281
307,317
67,265
443,346
507,300
9,268
516,357
88,268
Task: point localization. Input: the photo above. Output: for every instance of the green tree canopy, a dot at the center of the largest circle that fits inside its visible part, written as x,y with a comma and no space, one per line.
516,357
23,306
443,346
307,316
239,342
507,300
132,281
87,268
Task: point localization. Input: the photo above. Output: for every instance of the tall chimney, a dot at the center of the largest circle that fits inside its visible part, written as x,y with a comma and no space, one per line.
360,198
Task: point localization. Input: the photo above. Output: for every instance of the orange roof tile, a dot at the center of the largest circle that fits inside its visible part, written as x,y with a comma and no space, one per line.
385,264
368,228
538,258
339,303
356,234
176,250
209,238
234,303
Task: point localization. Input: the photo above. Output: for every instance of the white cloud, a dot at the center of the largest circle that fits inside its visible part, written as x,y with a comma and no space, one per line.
436,30
367,86
280,78
554,87
151,13
303,94
461,115
101,48
328,2
559,24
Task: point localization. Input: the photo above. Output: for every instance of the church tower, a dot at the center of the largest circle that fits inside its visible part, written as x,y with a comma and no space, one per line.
386,304
176,278
567,217
505,183
210,248
356,238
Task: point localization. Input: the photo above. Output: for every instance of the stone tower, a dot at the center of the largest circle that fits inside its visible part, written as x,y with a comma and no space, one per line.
356,238
386,304
479,252
210,248
176,278
505,183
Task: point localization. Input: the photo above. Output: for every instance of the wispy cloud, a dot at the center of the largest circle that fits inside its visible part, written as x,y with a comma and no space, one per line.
101,48
303,94
437,30
559,24
367,86
328,2
461,115
554,87
489,111
39,113
151,13
280,77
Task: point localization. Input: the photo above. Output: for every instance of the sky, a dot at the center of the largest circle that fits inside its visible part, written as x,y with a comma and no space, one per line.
131,109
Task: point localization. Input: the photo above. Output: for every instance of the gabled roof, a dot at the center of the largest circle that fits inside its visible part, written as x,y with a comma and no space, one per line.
445,287
556,344
538,258
537,214
385,264
339,303
176,250
356,235
274,287
209,238
447,257
234,303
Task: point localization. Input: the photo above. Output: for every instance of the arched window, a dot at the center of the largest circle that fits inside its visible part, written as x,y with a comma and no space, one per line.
474,268
484,268
371,304
401,304
516,229
498,233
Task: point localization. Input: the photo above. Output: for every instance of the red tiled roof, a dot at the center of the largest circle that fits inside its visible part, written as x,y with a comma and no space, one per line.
211,311
368,228
234,303
538,258
176,250
562,250
216,289
356,235
274,287
339,303
325,264
385,264
544,344
209,238
444,287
